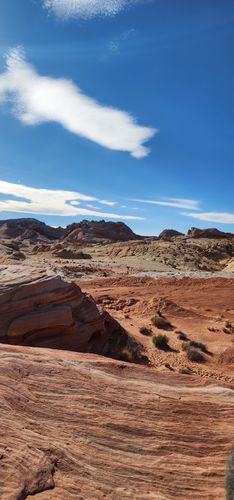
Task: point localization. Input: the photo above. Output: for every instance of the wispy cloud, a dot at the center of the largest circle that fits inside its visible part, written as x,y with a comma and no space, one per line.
108,203
87,8
25,199
171,202
116,44
38,99
219,217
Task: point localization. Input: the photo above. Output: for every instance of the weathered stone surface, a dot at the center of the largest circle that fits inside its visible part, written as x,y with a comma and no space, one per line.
78,426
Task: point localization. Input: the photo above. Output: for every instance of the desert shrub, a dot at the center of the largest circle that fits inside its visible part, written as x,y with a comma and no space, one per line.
184,346
145,331
198,345
226,330
186,371
195,356
161,342
161,323
182,336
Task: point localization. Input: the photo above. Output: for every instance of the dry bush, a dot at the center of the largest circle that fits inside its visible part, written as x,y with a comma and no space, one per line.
145,331
198,345
161,323
195,356
182,336
161,342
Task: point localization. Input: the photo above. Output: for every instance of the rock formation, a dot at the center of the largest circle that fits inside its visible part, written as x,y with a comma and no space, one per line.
97,232
78,426
169,234
210,233
28,229
44,310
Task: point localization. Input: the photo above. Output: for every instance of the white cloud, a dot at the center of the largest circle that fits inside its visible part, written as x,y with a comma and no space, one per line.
172,202
87,8
37,99
219,217
50,202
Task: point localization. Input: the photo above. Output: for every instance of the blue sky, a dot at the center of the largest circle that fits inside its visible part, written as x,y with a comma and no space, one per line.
106,109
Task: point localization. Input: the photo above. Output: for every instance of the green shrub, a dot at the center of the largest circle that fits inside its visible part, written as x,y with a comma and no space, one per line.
161,342
161,323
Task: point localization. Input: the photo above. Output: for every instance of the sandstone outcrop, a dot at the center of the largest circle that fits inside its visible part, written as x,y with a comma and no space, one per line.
44,310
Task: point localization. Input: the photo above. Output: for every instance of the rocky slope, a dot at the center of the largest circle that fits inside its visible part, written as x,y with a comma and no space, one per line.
41,309
198,311
76,426
185,254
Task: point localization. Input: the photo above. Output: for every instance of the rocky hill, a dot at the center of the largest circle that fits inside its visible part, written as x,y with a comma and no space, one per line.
210,233
97,232
28,229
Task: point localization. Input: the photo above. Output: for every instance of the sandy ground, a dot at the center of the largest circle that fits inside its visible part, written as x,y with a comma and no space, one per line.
200,308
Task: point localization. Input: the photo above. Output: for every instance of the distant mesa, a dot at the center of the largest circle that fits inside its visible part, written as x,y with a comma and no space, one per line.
210,233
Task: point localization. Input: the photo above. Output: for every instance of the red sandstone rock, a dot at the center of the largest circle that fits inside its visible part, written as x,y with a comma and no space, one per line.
44,310
78,426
